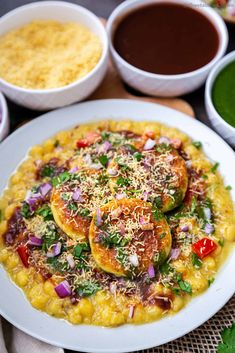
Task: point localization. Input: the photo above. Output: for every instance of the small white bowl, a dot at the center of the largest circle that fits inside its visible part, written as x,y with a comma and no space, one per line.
226,130
43,99
4,118
164,85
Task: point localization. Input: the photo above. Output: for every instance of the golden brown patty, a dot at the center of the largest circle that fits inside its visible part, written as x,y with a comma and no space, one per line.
126,238
158,175
74,202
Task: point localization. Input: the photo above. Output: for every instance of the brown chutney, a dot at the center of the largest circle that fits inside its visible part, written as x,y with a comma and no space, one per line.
166,38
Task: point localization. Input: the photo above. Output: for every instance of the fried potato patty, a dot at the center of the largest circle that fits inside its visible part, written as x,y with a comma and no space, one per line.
127,237
74,201
158,175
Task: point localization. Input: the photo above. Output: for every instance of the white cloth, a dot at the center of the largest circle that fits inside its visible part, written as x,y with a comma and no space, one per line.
13,340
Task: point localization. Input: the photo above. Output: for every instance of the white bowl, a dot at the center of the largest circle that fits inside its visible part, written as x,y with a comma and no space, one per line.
226,130
164,85
57,97
4,118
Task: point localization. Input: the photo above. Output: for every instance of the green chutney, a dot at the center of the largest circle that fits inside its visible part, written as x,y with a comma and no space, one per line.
223,93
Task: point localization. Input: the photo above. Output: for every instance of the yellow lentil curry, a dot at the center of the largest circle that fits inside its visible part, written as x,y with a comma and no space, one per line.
115,222
48,54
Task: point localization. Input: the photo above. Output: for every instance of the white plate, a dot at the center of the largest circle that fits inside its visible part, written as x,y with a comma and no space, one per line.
16,308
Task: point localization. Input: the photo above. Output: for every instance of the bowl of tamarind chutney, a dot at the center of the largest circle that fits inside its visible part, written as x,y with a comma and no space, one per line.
165,48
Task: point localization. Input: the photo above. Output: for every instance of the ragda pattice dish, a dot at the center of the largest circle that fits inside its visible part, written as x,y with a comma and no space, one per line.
115,222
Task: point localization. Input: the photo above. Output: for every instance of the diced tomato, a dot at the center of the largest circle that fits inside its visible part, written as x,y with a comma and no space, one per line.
82,143
24,256
90,138
150,134
204,247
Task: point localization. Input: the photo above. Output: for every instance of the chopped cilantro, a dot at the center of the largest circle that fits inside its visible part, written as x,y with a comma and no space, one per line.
49,238
138,156
193,205
165,268
72,206
84,212
157,214
210,281
111,240
159,258
87,288
25,210
45,212
176,291
228,187
157,202
79,248
196,261
65,196
185,286
47,171
221,242
1,215
204,176
131,148
103,160
197,144
162,148
61,178
215,167
228,338
57,264
122,256
105,135
123,181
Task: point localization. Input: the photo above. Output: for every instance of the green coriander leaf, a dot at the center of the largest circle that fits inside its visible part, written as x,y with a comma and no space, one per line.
157,202
197,144
1,215
87,288
138,156
204,176
103,160
80,248
228,187
72,206
25,210
56,143
185,286
228,337
123,181
61,178
45,212
221,242
215,167
196,261
84,212
210,281
47,171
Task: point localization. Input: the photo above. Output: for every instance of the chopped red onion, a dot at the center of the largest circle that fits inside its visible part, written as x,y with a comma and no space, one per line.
32,202
142,220
77,195
184,228
35,241
134,260
113,288
106,146
96,166
145,194
174,254
149,144
63,289
209,228
87,159
169,158
131,311
164,139
73,170
112,172
70,260
188,164
57,248
98,217
120,196
207,212
151,271
176,143
45,189
122,228
28,195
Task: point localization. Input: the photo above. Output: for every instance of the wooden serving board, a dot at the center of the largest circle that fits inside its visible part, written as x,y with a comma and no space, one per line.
113,87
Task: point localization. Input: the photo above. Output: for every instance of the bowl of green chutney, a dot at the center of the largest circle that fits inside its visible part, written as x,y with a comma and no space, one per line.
220,97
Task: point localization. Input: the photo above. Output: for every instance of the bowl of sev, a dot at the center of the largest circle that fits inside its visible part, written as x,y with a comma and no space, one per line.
53,54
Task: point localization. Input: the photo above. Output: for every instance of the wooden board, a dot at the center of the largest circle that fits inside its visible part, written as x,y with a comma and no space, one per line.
113,87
